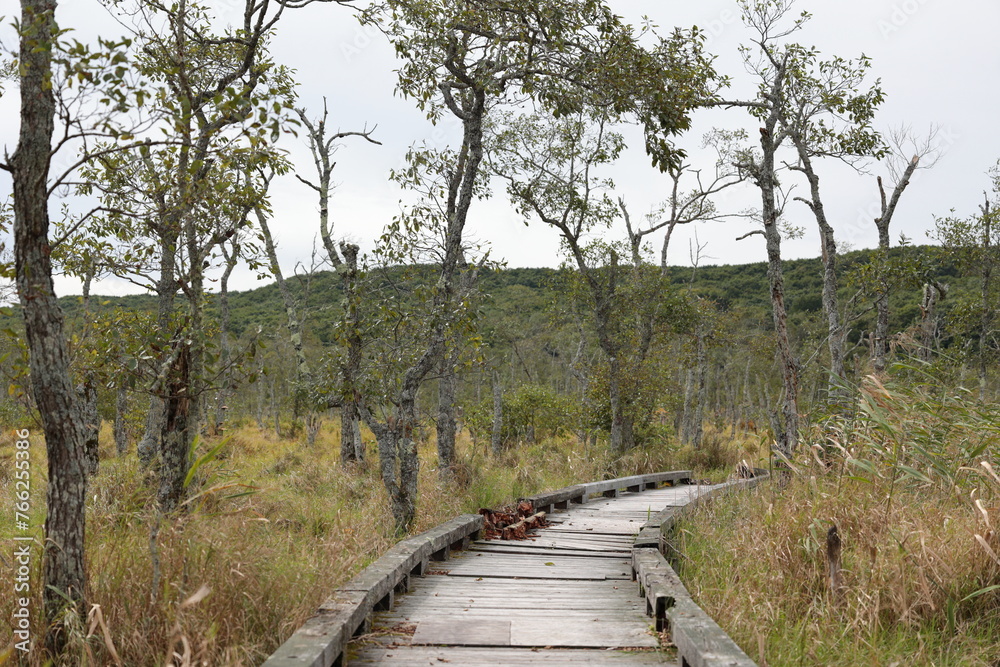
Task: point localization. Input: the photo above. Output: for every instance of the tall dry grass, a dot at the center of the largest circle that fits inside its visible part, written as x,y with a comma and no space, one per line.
274,526
910,482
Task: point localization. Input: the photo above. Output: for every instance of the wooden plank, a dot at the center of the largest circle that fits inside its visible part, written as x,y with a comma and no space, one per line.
529,560
422,656
434,584
636,616
513,574
460,631
546,551
558,634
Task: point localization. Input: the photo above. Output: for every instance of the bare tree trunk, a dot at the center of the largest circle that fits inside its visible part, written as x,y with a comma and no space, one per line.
620,433
275,410
881,342
261,397
882,222
986,282
687,409
222,397
496,442
302,372
933,292
121,429
322,148
699,408
836,332
313,425
63,572
87,391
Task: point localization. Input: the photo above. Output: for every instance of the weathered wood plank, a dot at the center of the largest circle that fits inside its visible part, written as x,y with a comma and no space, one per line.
559,634
422,656
547,551
459,631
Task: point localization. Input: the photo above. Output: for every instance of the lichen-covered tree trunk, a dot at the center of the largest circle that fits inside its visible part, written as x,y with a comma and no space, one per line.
302,372
176,425
446,423
351,446
63,572
788,438
399,464
185,385
148,447
186,382
836,332
87,394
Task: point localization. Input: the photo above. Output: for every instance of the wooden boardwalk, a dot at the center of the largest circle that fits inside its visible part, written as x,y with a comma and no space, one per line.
563,597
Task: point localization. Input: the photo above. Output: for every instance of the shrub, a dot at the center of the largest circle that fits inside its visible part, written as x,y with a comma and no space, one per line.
531,413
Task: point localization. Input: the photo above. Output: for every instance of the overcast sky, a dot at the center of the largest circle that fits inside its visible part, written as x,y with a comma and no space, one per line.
938,63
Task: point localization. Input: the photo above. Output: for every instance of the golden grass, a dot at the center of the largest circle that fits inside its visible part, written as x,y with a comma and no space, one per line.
270,557
757,563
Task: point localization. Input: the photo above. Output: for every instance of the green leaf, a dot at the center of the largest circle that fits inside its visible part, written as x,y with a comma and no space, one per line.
981,591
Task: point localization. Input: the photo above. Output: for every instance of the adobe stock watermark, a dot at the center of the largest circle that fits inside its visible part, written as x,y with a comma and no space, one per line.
900,14
21,620
717,26
364,36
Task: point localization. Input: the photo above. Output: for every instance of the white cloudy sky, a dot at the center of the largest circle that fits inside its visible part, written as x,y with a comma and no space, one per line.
938,62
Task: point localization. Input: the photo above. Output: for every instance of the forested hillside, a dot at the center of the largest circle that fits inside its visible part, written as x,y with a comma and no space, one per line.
527,328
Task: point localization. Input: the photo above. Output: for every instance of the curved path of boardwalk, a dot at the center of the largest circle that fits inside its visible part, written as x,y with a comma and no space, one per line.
565,596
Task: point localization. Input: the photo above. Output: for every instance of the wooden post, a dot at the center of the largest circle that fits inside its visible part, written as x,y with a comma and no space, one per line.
833,558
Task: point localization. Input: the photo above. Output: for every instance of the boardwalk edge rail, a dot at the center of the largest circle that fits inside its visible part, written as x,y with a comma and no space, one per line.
699,640
322,640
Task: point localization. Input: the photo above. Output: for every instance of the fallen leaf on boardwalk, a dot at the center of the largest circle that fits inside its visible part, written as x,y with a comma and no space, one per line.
404,629
550,563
